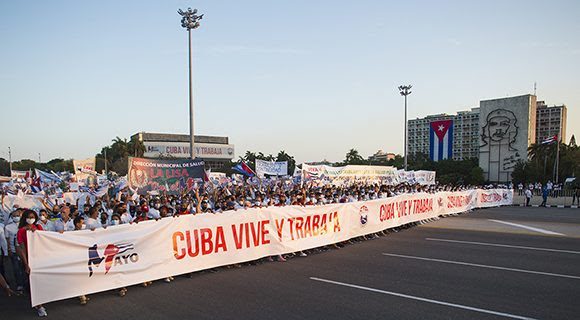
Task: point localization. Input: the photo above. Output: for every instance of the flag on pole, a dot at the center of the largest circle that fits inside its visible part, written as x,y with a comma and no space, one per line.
244,169
441,140
550,140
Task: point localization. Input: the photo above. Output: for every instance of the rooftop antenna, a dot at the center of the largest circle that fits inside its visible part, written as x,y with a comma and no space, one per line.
534,88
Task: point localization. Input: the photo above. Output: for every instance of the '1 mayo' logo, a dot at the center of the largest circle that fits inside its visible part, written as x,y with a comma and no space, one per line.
113,256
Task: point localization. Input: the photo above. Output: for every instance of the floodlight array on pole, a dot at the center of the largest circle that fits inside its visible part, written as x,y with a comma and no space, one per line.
405,91
190,20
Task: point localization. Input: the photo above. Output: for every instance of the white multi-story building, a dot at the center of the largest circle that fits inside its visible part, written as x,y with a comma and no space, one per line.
549,121
465,133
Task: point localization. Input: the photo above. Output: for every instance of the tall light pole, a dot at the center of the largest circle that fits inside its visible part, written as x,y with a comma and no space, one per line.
106,166
190,20
405,91
10,159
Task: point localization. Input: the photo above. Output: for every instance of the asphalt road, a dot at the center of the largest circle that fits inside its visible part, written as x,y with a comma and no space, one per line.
464,267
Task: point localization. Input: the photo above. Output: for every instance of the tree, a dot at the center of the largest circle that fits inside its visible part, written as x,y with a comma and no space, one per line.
118,154
283,156
398,161
353,157
4,167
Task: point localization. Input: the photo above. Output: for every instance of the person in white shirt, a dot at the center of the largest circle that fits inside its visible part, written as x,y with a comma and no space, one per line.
5,211
3,250
10,231
153,212
64,223
528,194
105,219
125,215
46,224
92,222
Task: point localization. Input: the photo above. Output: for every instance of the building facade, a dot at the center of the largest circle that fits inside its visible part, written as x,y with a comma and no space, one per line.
550,121
381,156
215,151
465,134
507,128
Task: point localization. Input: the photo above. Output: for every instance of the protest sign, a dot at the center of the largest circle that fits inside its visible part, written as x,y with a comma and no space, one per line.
17,174
424,177
84,169
271,168
164,175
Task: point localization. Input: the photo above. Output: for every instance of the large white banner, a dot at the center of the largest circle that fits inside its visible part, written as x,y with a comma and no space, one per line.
385,174
83,262
271,168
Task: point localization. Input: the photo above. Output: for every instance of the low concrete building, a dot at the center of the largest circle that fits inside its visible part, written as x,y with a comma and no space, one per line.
215,151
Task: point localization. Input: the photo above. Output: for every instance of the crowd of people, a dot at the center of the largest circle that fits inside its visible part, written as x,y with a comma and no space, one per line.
127,206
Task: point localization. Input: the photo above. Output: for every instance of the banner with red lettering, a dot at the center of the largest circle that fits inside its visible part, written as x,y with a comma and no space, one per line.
83,262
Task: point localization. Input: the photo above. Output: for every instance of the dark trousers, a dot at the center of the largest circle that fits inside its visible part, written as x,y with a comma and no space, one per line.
544,200
18,269
2,270
528,201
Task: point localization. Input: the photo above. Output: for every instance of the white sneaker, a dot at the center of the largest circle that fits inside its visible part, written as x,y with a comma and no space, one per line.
41,312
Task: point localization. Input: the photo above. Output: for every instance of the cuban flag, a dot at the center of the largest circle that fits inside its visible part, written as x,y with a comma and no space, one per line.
244,169
550,140
441,140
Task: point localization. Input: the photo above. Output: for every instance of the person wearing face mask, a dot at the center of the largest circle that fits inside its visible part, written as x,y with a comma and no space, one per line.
10,232
153,212
115,220
46,224
202,204
64,223
28,223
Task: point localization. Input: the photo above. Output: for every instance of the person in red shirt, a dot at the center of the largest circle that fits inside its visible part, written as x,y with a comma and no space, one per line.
142,216
28,222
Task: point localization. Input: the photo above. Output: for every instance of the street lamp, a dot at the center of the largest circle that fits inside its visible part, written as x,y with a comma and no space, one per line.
405,91
190,20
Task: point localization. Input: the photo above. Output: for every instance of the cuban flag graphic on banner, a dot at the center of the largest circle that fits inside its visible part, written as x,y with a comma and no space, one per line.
441,140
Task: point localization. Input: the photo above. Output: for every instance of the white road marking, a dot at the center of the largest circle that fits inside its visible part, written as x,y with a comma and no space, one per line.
503,245
485,266
528,227
407,296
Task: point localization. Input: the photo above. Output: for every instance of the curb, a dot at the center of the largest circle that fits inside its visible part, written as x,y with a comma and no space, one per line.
547,206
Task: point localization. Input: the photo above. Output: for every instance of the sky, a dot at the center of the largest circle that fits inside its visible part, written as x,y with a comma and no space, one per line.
313,78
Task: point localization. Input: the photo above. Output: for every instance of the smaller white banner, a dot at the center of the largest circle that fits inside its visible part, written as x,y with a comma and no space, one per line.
271,168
